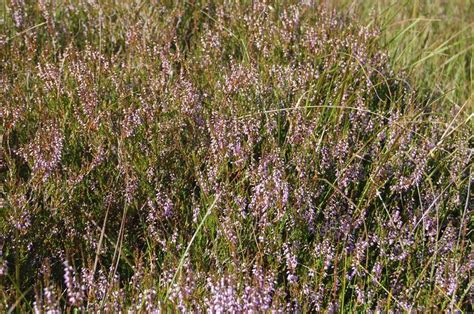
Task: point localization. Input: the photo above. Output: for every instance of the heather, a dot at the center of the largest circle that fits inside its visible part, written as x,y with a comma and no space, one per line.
232,157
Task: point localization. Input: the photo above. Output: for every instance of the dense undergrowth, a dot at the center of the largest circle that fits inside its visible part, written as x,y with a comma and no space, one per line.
224,157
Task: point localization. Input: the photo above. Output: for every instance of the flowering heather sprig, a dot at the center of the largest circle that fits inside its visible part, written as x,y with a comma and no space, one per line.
48,303
270,192
84,69
75,291
188,98
131,186
182,292
3,267
240,79
45,150
132,120
291,263
51,77
147,301
20,218
97,289
254,295
18,12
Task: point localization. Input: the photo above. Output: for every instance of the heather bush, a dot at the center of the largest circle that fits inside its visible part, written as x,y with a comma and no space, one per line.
224,157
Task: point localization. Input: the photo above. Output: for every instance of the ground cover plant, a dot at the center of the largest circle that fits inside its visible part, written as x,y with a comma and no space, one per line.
220,156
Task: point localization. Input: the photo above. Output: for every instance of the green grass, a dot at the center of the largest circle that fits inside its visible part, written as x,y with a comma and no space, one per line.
432,41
